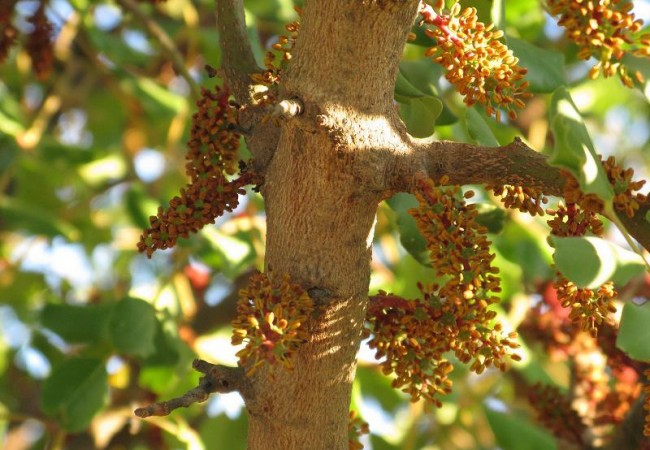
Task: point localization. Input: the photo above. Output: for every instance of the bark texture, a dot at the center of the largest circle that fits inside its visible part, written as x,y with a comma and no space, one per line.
320,214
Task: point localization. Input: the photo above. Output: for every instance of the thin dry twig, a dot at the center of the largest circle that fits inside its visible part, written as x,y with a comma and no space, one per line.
221,379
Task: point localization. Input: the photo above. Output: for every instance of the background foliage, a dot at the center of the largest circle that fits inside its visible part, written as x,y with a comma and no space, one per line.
90,329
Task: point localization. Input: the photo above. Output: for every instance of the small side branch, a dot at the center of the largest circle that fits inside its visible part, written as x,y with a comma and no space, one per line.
514,164
221,379
237,60
463,163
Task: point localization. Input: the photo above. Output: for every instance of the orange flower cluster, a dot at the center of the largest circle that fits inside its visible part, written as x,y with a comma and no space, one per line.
571,220
356,427
589,308
481,67
457,244
556,414
279,55
271,319
626,199
38,43
605,382
414,335
621,180
605,30
212,154
525,199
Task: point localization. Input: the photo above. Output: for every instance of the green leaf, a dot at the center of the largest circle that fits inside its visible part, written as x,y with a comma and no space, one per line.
404,90
514,432
420,115
589,261
139,206
423,74
489,11
158,379
77,324
478,129
634,332
419,104
526,249
16,214
573,150
526,17
409,234
133,327
223,432
373,383
8,154
75,392
546,71
167,344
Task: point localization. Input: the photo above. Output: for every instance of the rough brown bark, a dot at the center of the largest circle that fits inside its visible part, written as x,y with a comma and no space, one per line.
320,215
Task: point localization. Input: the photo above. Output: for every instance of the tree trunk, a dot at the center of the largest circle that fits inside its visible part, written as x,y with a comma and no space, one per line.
321,209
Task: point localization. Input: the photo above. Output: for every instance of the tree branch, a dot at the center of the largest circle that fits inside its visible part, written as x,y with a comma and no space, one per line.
217,378
166,43
514,164
237,60
463,163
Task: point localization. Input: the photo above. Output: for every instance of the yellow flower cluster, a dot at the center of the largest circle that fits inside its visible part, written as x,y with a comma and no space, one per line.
525,199
605,30
481,67
414,335
356,427
212,154
272,316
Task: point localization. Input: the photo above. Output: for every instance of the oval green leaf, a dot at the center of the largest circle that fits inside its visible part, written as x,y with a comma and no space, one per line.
514,432
634,332
546,71
409,234
133,327
77,324
75,392
573,150
478,129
